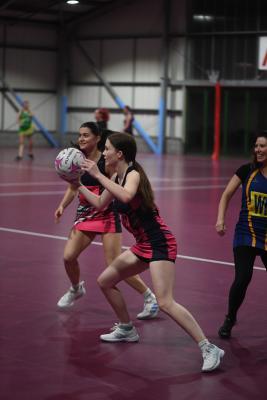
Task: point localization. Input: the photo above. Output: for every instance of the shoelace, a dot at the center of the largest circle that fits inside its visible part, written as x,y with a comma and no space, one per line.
150,300
207,351
69,295
114,327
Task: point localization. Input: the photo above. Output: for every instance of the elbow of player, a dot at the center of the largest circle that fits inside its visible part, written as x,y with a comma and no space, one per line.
100,207
126,198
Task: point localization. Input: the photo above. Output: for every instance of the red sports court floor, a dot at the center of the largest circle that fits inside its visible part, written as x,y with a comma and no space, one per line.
47,354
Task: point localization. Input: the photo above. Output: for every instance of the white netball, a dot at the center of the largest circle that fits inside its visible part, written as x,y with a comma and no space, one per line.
68,164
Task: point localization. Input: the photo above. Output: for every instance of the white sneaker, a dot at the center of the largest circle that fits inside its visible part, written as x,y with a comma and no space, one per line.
68,299
151,308
211,357
121,335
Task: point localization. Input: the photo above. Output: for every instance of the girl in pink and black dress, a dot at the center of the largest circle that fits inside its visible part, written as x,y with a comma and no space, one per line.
155,246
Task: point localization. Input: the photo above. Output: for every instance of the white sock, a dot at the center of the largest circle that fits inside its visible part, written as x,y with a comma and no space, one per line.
147,293
203,344
126,327
76,287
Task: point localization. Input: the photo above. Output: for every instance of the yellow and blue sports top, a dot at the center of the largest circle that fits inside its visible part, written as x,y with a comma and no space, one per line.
251,228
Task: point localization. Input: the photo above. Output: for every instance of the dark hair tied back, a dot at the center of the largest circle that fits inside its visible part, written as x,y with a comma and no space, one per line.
92,126
127,145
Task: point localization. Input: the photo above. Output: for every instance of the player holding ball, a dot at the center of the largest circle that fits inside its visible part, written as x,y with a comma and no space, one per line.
155,246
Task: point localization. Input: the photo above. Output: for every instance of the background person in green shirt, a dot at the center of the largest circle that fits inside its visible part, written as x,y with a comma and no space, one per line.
26,130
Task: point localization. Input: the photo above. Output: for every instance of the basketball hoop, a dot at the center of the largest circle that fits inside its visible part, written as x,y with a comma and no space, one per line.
213,75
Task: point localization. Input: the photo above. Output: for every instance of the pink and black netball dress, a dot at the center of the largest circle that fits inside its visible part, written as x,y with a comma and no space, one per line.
87,217
154,240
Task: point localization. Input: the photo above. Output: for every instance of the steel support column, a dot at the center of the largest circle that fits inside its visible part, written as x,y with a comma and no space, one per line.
48,136
63,56
164,79
117,99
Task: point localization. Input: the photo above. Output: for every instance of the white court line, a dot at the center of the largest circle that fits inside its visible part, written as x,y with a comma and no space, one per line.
202,178
60,182
54,183
207,260
31,193
159,189
30,166
195,187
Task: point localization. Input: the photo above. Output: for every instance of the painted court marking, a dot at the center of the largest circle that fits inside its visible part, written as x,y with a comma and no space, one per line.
61,182
44,235
155,189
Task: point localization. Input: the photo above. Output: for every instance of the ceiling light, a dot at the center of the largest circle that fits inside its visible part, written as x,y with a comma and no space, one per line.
203,18
73,2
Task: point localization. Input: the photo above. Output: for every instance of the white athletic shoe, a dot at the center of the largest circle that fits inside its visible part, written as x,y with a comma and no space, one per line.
68,299
211,357
151,308
121,335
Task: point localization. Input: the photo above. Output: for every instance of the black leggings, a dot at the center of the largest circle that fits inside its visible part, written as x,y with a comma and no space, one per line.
244,257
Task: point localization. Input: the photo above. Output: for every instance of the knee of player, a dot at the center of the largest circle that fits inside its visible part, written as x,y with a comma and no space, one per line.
105,280
69,258
164,303
102,282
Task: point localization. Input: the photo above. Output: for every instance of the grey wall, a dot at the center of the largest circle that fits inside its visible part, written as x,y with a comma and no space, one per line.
126,46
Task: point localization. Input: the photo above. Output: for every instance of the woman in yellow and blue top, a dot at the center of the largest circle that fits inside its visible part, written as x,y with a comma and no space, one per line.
26,129
250,239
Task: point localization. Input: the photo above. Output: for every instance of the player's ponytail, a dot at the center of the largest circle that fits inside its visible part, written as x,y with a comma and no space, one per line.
145,189
127,145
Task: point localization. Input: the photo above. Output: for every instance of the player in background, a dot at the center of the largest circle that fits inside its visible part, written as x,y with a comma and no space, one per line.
26,130
250,239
